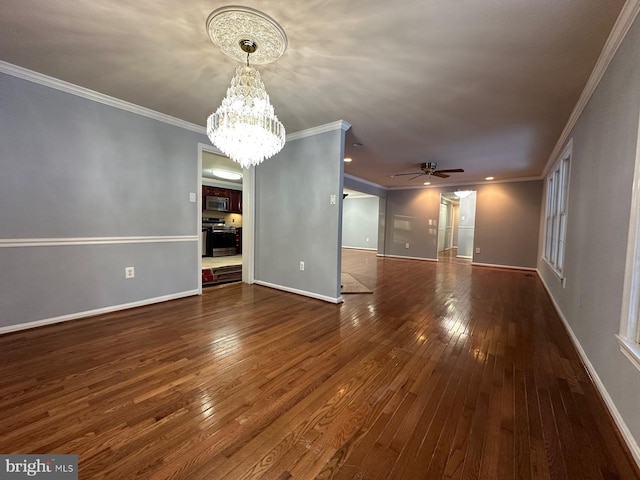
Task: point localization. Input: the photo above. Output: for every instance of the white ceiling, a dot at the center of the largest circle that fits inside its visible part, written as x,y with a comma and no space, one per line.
483,85
211,161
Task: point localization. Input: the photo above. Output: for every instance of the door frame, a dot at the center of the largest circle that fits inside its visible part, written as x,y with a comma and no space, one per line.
248,217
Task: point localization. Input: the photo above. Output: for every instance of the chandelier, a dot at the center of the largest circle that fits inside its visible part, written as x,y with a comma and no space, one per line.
245,126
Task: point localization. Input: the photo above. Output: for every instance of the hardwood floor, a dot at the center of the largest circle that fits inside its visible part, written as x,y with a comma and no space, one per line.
446,371
451,255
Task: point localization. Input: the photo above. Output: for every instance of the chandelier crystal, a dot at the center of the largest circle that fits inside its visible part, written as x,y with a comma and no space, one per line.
245,126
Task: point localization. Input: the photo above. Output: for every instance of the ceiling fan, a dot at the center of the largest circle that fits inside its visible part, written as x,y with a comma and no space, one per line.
429,168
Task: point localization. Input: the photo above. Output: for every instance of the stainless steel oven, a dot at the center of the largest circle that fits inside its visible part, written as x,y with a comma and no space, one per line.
206,241
223,241
221,238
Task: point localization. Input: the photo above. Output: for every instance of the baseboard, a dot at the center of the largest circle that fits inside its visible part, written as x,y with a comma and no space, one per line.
300,292
97,311
508,267
360,248
611,406
410,258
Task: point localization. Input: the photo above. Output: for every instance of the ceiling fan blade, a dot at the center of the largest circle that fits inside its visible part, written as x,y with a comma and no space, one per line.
412,173
451,170
419,175
440,174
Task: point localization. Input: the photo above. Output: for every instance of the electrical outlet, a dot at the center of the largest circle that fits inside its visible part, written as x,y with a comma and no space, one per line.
367,239
129,272
406,245
301,266
477,249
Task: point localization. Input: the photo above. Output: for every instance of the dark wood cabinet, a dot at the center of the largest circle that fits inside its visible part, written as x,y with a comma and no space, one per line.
214,191
238,240
234,196
235,201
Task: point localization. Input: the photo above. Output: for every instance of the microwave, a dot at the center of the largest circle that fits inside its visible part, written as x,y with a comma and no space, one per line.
220,204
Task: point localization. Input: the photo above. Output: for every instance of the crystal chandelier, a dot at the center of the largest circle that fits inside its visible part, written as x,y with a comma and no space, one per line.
245,126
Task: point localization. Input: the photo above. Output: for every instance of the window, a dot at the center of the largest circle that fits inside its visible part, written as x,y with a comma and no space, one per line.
556,212
629,337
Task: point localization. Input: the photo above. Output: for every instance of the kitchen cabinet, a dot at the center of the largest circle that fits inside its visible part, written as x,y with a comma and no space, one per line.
234,196
214,191
235,201
238,240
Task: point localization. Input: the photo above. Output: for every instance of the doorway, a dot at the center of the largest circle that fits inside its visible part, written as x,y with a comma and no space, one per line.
456,226
220,219
359,241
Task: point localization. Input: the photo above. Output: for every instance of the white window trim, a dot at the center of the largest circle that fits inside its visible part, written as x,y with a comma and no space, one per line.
567,152
629,337
631,350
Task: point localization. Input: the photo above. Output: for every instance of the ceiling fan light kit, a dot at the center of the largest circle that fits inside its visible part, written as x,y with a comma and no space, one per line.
245,126
430,169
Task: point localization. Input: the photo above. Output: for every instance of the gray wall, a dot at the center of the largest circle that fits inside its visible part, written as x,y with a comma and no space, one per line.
412,217
508,223
360,222
294,218
359,185
76,169
601,174
506,226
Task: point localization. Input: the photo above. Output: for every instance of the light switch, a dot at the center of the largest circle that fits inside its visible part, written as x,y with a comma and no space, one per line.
333,200
192,197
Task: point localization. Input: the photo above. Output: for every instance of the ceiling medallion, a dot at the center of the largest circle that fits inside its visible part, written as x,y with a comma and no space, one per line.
229,26
245,126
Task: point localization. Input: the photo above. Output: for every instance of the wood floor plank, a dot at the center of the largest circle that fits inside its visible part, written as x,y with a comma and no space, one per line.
445,371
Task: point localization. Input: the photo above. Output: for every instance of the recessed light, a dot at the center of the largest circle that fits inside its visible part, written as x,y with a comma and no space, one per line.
427,183
226,174
489,178
347,159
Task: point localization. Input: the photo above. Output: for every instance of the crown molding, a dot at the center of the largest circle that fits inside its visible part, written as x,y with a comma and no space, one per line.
619,31
61,85
463,184
366,182
94,96
327,127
